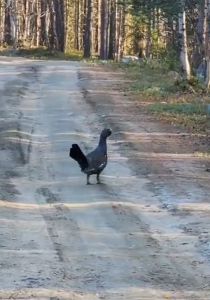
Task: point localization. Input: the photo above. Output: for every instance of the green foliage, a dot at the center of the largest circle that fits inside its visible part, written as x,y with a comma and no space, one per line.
91,59
144,7
193,85
193,115
149,78
170,100
45,53
179,108
169,59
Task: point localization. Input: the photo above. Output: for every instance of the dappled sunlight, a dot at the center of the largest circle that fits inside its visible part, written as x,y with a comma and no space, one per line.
201,206
9,73
75,205
44,139
119,292
108,93
28,252
156,155
163,155
150,208
26,141
19,205
41,293
154,134
79,134
41,144
22,132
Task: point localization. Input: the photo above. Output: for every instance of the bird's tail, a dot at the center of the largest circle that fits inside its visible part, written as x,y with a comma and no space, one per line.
77,154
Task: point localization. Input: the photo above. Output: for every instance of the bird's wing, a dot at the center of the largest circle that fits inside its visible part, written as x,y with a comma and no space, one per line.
97,160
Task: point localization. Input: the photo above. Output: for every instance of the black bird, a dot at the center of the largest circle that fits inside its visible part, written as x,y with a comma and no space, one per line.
95,161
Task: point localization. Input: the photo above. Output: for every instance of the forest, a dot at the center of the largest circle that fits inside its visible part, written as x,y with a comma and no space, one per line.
169,39
108,29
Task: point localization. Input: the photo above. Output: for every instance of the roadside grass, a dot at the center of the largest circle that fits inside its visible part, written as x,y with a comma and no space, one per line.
45,54
168,98
41,53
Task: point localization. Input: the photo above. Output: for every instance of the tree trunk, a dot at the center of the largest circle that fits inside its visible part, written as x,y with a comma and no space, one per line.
7,24
118,32
122,30
12,23
38,37
53,31
103,34
99,28
77,24
112,30
199,52
88,35
208,46
183,42
44,22
149,35
107,25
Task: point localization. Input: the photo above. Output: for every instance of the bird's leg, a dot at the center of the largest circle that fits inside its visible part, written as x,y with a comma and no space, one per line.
97,178
88,180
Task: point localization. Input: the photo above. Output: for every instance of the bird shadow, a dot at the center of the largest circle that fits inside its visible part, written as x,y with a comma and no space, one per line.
101,183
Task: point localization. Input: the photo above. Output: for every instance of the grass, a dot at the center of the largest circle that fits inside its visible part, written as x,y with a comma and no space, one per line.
170,100
43,53
194,116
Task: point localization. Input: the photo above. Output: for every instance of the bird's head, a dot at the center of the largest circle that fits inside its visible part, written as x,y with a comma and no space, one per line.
106,132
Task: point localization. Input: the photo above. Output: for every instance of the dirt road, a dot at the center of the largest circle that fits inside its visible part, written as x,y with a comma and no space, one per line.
143,234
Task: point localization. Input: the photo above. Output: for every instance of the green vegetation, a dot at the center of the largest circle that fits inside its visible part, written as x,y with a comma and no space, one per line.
43,53
165,94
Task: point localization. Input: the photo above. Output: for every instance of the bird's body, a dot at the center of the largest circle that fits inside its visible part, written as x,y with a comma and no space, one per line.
95,161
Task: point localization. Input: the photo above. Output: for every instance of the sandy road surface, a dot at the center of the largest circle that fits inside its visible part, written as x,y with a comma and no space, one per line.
144,234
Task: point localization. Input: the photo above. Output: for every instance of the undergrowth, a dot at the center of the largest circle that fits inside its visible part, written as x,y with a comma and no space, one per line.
165,94
42,53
